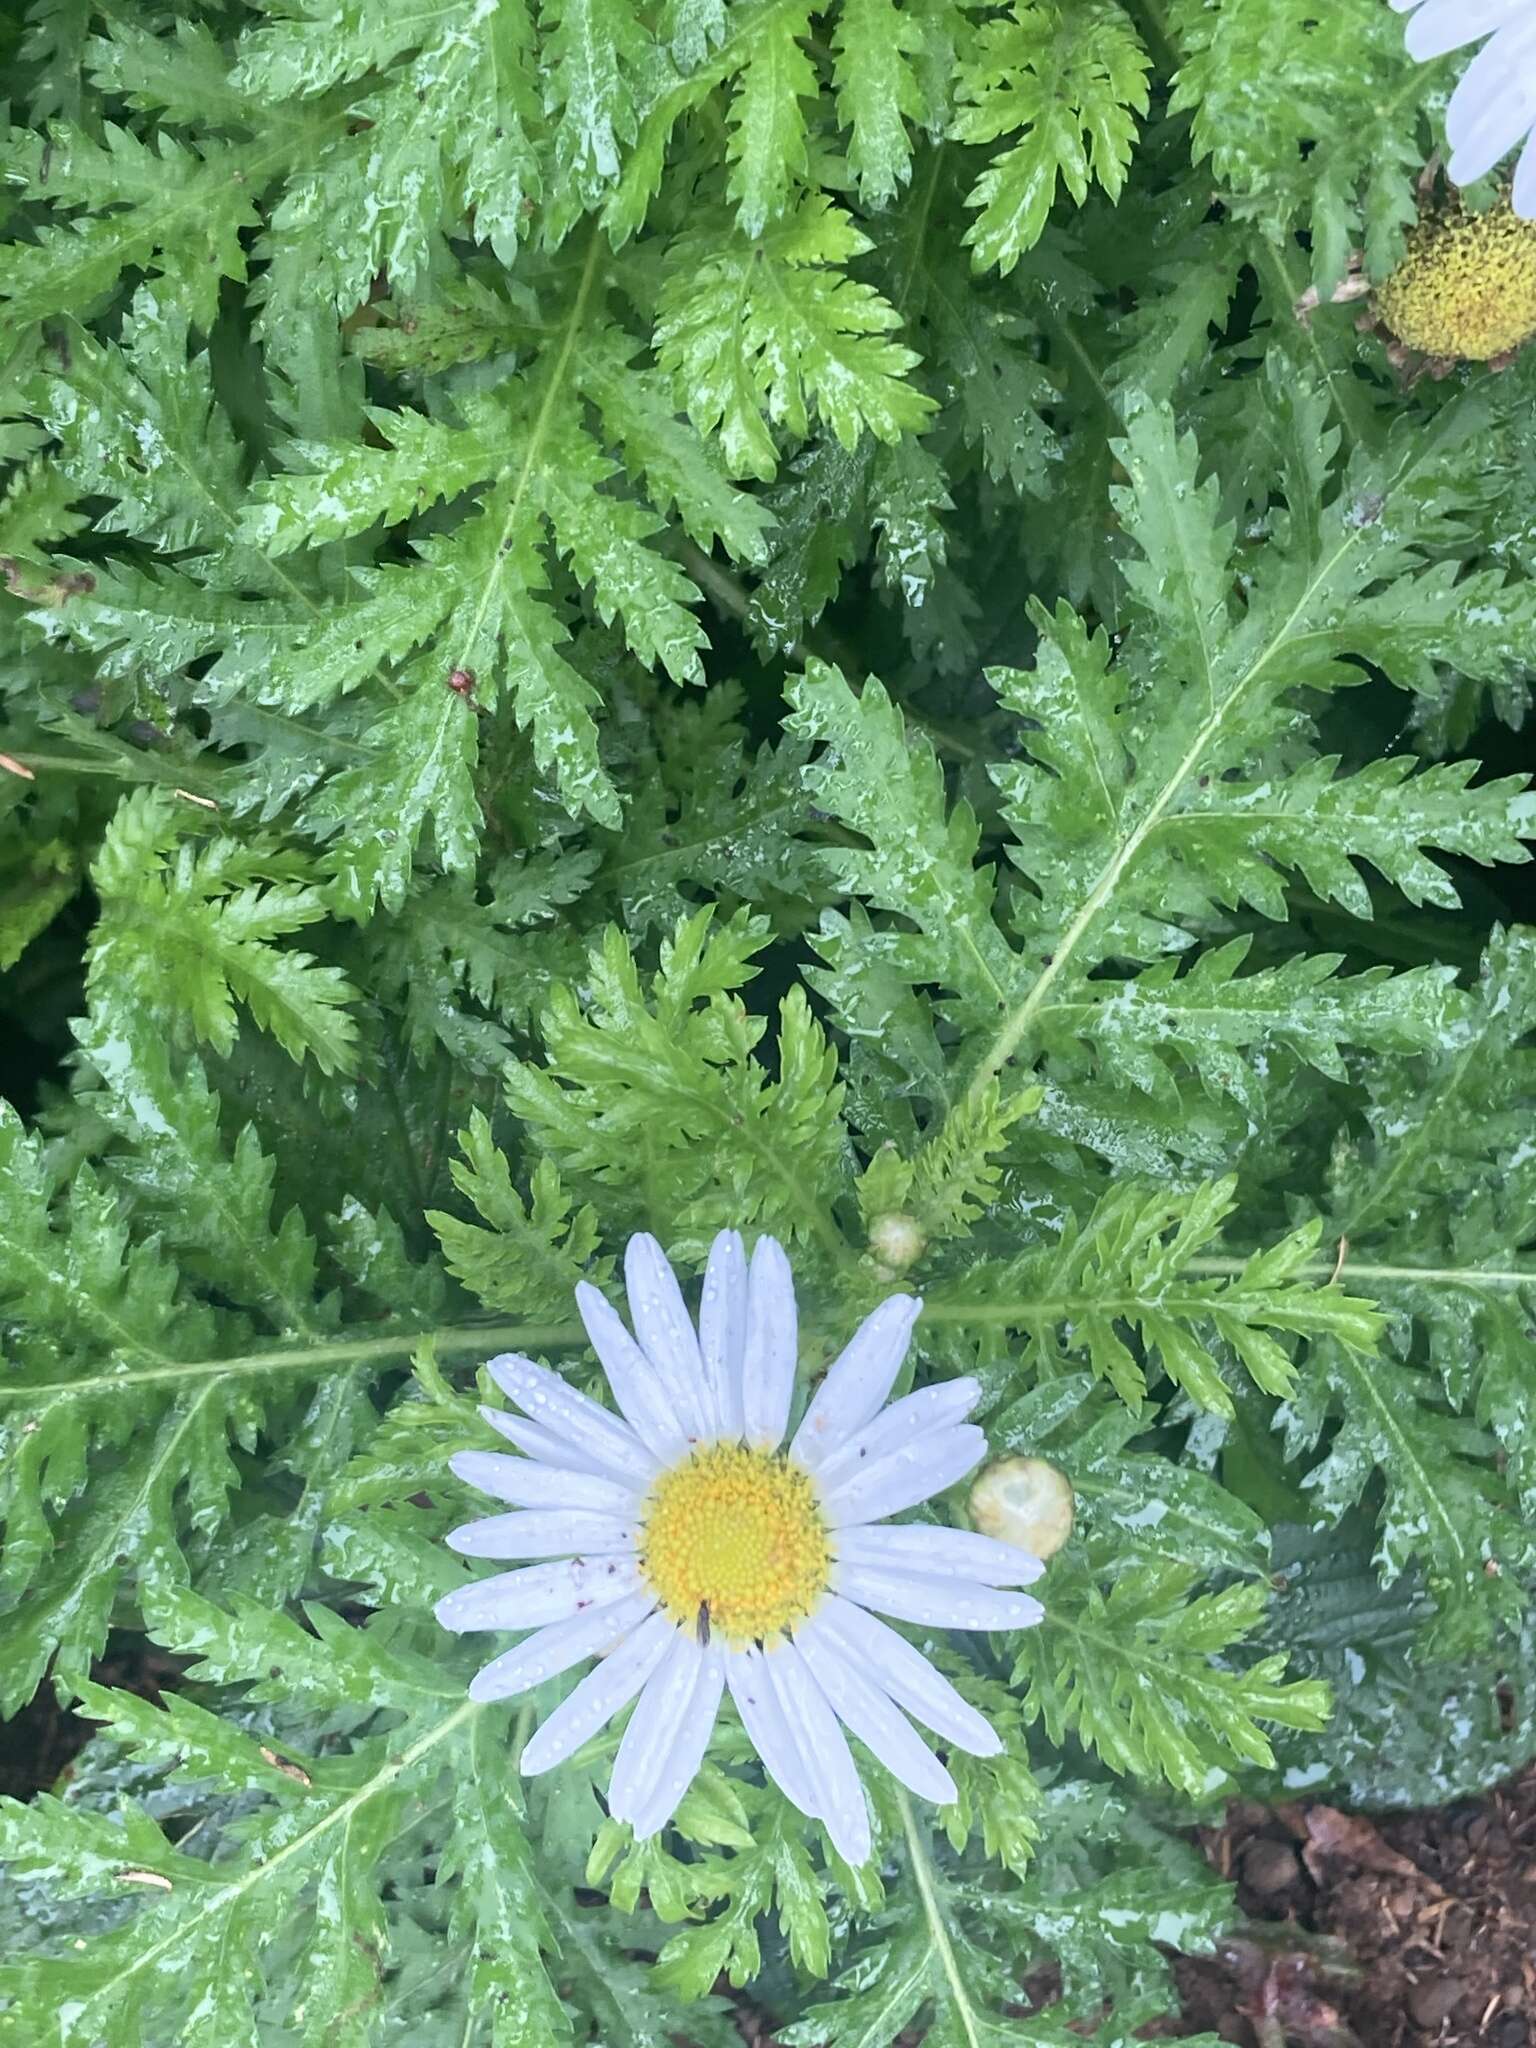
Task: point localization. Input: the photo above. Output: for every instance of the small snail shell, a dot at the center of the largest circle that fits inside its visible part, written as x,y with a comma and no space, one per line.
1026,1502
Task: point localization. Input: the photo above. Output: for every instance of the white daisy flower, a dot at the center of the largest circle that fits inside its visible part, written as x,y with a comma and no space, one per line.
695,1555
1493,109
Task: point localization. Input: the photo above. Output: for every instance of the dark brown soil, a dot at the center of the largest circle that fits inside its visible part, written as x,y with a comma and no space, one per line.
40,1742
36,1745
1392,1933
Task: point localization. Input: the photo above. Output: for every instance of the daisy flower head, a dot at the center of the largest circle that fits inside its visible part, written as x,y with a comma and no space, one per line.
1493,109
685,1545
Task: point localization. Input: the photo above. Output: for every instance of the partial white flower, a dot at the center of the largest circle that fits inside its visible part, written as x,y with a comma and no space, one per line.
694,1554
1493,109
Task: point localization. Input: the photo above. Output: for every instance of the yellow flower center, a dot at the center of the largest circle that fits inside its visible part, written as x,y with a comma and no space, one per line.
1466,289
740,1532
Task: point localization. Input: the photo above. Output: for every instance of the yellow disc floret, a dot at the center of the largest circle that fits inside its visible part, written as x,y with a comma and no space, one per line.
739,1533
1466,289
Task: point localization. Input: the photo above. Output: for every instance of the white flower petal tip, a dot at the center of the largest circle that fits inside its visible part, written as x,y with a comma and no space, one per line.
562,1413
723,1329
858,1379
944,1553
445,1613
526,1483
935,1602
665,1544
772,1347
605,1691
1493,108
906,1675
554,1532
549,1651
537,1594
912,1473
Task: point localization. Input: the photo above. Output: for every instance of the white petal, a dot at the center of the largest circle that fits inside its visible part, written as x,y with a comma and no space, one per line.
839,1789
939,1553
878,1723
723,1329
653,1724
636,1384
546,1398
904,1673
1442,25
695,1726
857,1381
1476,157
1493,107
915,1415
935,1602
544,1532
539,1593
535,1441
665,1329
551,1650
1523,198
595,1699
769,1730
527,1484
667,1735
907,1476
772,1346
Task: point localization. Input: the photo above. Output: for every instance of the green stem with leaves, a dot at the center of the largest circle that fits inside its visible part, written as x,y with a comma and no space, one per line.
938,1927
489,1338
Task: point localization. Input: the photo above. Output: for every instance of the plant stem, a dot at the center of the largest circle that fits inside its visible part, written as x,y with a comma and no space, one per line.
487,1337
944,1948
492,1337
1351,399
534,453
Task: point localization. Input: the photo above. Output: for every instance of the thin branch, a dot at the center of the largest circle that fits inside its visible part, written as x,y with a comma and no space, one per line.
487,1337
938,1929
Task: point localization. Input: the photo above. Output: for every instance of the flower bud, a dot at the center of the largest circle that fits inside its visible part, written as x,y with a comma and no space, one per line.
897,1240
1026,1502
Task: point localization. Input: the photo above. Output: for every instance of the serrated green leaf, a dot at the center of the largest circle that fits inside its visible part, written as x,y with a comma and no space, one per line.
1070,78
774,330
187,937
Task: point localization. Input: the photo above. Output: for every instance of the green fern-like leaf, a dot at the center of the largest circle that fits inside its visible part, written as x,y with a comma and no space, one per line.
188,936
1071,79
718,614
657,1089
531,1256
1130,1673
1362,151
804,337
1137,1264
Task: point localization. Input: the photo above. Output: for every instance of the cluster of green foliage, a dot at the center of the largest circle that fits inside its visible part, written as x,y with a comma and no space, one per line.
667,613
